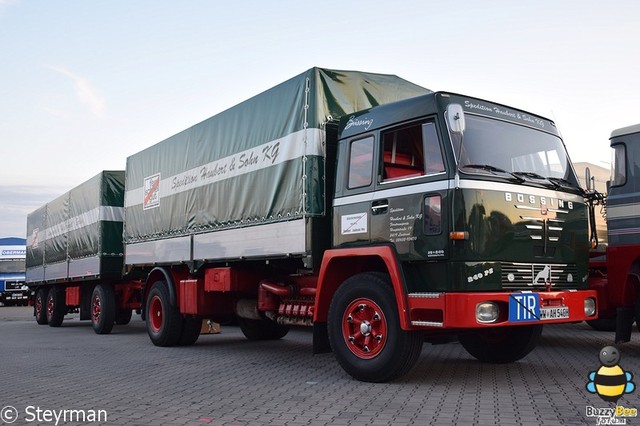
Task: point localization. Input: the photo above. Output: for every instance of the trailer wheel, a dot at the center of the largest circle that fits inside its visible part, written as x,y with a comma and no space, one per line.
103,309
40,306
190,331
364,330
164,322
55,308
501,345
262,329
123,316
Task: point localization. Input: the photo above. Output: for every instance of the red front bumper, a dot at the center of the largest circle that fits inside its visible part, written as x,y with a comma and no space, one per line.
458,310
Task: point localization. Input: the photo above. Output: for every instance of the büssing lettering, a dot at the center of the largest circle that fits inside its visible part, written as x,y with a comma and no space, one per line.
541,201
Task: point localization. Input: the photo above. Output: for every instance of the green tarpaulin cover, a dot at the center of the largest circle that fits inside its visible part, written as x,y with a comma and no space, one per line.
258,162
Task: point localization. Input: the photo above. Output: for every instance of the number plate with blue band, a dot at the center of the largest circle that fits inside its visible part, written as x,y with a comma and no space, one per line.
524,307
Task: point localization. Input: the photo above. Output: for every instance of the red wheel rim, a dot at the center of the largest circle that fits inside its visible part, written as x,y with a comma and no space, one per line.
155,314
96,309
364,328
38,305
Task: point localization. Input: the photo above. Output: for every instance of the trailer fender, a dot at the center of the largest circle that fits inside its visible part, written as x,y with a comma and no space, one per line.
340,264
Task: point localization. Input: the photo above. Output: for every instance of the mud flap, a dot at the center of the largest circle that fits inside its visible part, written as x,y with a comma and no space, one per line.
320,338
624,324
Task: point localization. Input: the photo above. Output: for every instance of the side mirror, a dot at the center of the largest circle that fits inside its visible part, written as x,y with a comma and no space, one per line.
455,118
587,179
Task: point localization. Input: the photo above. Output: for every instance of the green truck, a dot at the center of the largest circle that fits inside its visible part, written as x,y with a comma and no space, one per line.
378,212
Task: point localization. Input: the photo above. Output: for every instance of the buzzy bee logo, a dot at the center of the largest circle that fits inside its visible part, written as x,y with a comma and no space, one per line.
610,382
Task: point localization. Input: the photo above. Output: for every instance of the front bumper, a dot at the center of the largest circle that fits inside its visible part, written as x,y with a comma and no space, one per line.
459,310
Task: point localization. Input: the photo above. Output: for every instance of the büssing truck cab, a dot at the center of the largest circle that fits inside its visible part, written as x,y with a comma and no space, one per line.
615,274
375,211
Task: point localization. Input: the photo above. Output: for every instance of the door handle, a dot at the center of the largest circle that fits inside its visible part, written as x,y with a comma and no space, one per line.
380,207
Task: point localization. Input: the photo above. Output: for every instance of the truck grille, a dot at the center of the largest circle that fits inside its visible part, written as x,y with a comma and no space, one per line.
13,285
538,275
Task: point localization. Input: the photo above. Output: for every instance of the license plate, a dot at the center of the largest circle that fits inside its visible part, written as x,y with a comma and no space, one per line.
554,313
524,307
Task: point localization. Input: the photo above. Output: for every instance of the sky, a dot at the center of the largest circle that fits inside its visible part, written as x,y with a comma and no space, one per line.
84,84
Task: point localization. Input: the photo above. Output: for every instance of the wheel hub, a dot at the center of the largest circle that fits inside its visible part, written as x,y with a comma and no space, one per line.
365,328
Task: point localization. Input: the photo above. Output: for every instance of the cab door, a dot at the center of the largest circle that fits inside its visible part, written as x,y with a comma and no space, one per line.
408,207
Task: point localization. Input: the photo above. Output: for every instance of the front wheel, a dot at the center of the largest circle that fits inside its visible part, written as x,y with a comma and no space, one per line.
364,330
603,324
501,345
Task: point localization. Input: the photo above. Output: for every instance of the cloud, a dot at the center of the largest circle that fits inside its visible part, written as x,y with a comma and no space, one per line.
4,3
85,91
18,202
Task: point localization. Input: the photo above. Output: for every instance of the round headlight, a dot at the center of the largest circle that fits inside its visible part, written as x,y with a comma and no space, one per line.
589,307
487,312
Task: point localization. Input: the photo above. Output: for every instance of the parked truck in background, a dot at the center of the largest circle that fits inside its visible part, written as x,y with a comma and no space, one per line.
615,274
13,288
371,209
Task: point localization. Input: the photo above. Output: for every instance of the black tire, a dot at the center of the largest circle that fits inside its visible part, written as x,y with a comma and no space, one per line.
40,306
103,309
262,329
123,316
501,345
164,322
55,309
637,311
368,301
603,324
190,331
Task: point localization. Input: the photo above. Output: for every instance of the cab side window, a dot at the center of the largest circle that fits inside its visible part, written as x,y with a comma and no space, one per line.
360,163
411,151
433,161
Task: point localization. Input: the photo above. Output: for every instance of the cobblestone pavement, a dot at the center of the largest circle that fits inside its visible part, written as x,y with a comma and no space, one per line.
225,379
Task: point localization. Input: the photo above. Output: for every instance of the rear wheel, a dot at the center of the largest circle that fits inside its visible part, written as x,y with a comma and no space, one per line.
501,345
40,306
164,322
103,309
123,316
190,331
364,330
55,308
262,329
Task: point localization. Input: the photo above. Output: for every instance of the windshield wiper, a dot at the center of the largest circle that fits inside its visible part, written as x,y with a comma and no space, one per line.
493,170
530,175
487,167
564,183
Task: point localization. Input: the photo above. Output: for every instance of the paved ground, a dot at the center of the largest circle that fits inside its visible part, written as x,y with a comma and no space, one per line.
226,380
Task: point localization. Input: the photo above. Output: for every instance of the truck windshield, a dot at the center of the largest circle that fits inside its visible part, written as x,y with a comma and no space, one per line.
12,266
493,147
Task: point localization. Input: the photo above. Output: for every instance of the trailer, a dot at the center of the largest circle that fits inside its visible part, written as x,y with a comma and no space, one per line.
615,273
376,211
75,256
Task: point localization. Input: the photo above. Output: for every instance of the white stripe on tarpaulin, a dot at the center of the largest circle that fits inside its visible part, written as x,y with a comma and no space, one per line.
260,157
93,216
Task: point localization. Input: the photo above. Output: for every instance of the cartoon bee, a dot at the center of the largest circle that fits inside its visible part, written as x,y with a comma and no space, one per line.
610,382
